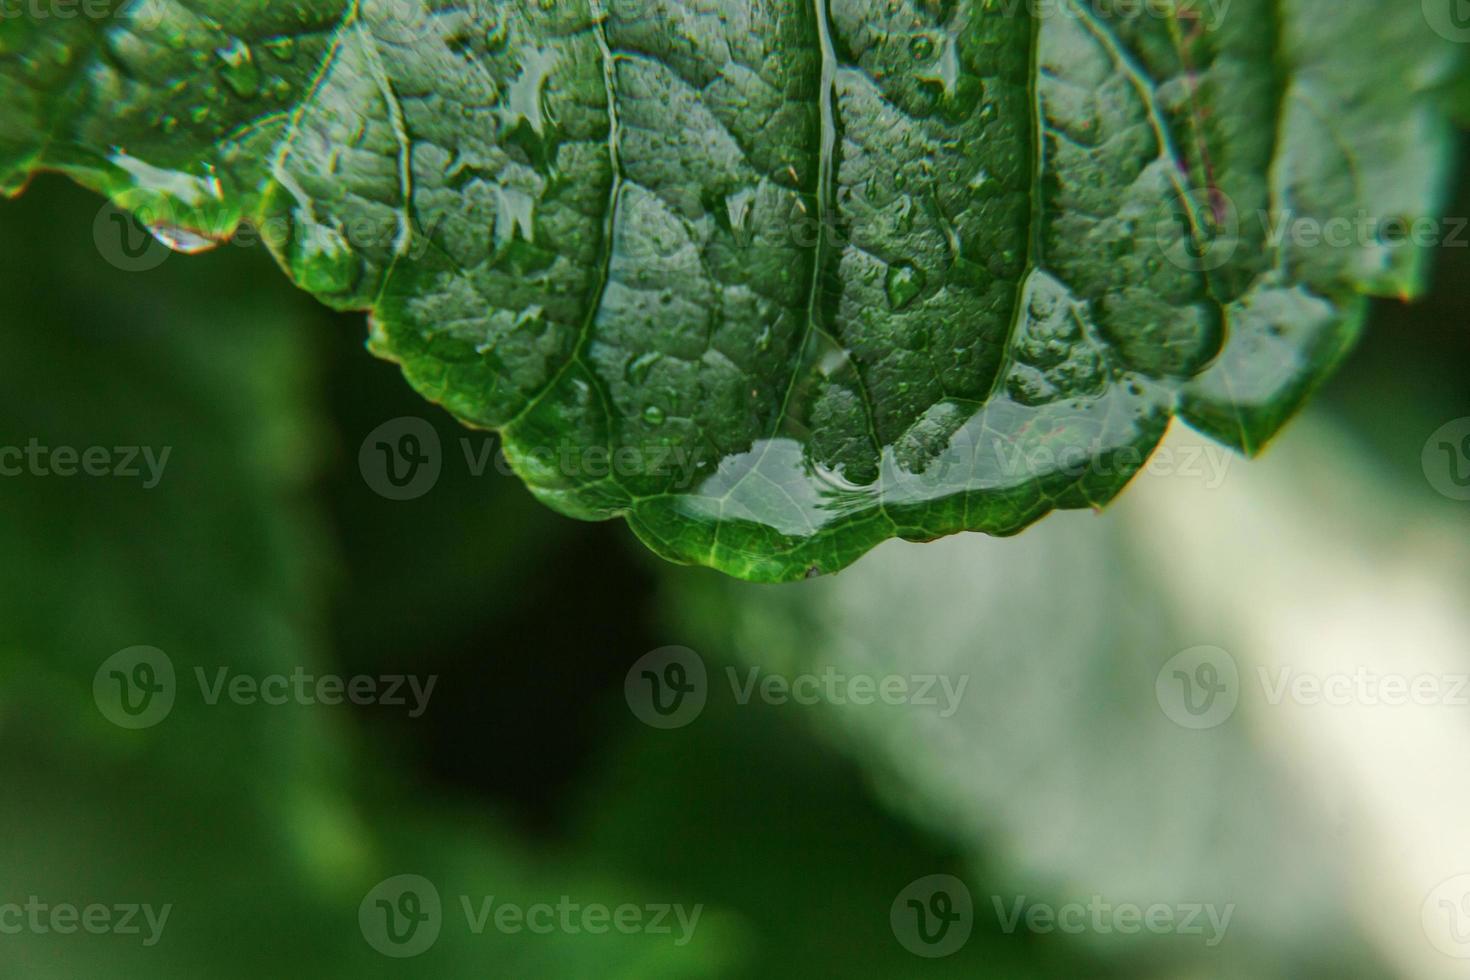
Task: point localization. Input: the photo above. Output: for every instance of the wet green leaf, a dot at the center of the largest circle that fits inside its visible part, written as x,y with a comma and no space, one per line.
777,281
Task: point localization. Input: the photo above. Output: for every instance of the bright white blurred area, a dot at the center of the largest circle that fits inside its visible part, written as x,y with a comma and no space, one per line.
1322,797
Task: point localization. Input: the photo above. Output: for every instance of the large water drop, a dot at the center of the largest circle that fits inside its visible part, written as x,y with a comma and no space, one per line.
238,68
905,283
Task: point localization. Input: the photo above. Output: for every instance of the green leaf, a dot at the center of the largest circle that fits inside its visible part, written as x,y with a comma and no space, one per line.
777,281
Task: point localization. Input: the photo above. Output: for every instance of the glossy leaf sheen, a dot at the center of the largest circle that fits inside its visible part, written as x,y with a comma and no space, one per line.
779,280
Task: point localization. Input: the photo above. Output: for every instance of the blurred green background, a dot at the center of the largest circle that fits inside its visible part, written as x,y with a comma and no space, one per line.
794,828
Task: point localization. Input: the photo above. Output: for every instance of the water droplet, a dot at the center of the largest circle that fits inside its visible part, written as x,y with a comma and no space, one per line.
187,190
905,282
283,48
530,315
637,370
173,34
11,181
238,68
653,415
524,100
182,240
515,216
737,211
905,222
496,36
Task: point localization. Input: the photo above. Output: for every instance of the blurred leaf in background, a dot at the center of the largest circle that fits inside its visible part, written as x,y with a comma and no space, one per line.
261,826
